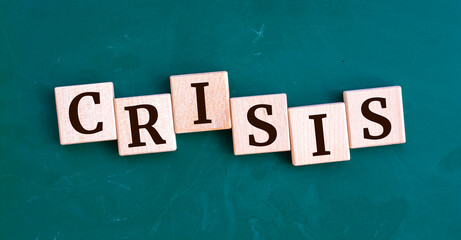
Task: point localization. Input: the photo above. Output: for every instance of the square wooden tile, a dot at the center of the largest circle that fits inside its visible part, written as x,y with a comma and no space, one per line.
375,117
260,124
318,134
144,124
200,102
85,113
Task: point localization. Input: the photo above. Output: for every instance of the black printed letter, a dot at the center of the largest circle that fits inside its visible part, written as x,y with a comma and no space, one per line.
319,138
201,107
262,125
73,113
384,122
153,116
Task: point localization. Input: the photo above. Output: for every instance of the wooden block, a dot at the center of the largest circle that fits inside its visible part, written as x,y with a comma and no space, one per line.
200,102
318,134
260,124
85,113
144,124
375,117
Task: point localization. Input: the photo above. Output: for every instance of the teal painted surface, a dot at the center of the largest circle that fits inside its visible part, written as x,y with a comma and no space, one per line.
311,50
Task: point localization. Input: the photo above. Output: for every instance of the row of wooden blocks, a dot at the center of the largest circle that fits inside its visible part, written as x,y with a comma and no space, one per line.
260,124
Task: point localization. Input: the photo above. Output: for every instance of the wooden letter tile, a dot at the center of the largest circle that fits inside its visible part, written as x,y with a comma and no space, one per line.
200,102
85,113
260,124
375,117
318,134
144,124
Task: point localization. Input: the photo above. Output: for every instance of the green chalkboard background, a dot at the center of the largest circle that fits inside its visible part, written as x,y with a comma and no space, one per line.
311,50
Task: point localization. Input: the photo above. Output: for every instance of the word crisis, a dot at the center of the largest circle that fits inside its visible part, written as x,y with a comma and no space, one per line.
260,124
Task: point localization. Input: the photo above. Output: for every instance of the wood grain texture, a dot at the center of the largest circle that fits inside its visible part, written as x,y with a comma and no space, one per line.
163,125
89,113
393,111
242,129
303,134
184,100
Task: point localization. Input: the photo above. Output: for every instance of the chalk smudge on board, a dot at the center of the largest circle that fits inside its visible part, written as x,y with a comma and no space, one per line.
205,221
120,185
256,234
119,219
259,34
450,162
229,205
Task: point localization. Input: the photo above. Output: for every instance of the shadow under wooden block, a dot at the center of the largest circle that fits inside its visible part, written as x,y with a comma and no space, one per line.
260,124
375,117
85,113
318,134
144,124
200,102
